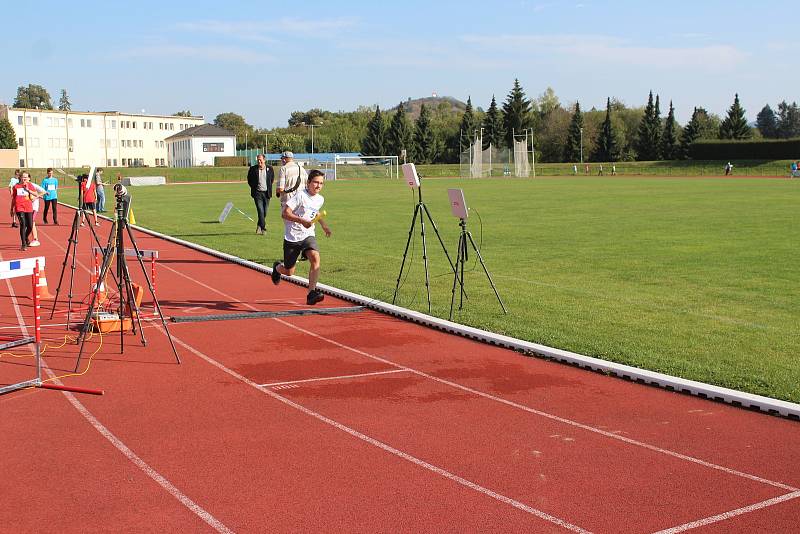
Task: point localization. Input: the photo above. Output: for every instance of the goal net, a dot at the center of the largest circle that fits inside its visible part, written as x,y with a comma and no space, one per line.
522,165
364,167
476,161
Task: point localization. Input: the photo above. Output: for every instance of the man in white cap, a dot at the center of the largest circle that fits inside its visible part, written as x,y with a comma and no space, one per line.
292,178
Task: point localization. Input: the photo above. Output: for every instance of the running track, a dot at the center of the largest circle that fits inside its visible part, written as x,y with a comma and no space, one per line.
357,422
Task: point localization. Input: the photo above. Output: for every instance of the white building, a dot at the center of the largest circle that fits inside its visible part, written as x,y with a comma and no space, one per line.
199,145
54,138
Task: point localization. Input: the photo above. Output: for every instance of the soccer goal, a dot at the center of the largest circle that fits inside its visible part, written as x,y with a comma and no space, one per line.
363,167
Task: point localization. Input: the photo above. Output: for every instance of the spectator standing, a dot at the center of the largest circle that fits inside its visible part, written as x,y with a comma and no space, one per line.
260,177
100,190
11,183
292,177
50,186
22,195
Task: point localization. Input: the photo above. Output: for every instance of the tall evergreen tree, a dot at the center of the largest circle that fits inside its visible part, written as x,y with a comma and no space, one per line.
400,136
788,120
469,125
734,126
606,148
648,144
573,149
373,144
33,96
8,139
63,103
493,126
517,116
669,141
425,144
767,122
691,133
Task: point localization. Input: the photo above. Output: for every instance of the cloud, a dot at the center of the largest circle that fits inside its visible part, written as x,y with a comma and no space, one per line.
253,30
601,49
227,54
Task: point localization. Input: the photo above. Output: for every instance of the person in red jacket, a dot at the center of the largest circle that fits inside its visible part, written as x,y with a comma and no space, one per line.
89,195
22,195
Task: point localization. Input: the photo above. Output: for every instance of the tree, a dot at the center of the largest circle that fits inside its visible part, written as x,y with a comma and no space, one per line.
648,144
516,113
691,132
734,126
399,137
425,143
8,138
547,102
492,126
788,120
185,113
373,144
573,149
468,127
236,124
33,96
64,104
669,141
607,148
767,122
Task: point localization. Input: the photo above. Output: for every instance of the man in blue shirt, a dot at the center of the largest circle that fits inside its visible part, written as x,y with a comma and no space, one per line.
50,186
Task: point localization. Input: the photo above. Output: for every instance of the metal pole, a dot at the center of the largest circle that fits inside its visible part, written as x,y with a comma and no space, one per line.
581,146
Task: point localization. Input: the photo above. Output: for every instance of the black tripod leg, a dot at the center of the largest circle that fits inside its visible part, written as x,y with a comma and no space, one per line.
472,242
405,252
436,230
425,259
72,243
459,261
463,262
152,293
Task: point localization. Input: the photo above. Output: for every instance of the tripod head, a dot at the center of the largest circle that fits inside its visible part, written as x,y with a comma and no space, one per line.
123,198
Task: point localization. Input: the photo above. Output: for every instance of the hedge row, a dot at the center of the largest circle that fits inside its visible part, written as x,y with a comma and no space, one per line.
761,149
230,161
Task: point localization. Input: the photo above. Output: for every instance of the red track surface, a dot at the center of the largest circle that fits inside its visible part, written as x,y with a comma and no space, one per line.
439,433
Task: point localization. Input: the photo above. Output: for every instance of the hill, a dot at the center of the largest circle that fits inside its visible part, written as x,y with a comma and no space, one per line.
412,106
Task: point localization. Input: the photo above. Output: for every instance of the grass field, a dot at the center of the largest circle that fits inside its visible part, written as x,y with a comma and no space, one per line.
698,278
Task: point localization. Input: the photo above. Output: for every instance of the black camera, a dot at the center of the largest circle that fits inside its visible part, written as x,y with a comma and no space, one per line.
81,178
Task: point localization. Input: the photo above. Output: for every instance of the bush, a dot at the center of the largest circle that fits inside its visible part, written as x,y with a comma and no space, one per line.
768,149
230,161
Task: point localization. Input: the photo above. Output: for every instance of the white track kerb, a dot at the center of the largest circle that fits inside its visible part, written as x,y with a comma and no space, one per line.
706,391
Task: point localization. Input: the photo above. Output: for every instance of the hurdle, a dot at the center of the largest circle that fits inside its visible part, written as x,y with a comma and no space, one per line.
16,269
151,255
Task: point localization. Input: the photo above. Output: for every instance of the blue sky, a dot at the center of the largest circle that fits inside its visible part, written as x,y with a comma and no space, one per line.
264,60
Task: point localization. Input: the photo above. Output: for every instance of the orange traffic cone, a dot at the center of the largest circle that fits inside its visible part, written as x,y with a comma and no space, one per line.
44,293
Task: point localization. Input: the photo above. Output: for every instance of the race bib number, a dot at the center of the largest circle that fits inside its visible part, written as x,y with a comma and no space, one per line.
21,192
51,187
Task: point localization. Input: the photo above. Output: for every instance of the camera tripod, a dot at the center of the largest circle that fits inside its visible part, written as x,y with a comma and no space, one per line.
72,248
128,308
460,261
421,211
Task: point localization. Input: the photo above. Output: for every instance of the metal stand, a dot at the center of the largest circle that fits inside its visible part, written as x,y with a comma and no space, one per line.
127,300
72,247
460,261
421,211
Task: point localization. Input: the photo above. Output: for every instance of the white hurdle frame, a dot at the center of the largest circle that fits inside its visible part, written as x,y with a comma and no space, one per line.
15,269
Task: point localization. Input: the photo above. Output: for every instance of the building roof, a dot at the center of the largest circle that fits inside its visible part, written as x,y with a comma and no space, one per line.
204,130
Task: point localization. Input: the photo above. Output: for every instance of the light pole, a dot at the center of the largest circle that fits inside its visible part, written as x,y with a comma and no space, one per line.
581,146
312,137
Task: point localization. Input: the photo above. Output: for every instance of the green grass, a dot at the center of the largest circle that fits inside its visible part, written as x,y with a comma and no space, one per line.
698,278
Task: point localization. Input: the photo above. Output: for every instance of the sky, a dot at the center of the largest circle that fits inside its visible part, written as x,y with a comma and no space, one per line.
265,59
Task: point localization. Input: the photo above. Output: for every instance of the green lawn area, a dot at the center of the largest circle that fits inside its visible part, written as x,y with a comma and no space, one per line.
698,278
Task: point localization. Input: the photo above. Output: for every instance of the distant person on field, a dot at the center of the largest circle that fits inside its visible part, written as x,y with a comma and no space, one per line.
794,169
575,170
50,185
100,189
22,195
292,177
260,177
11,183
299,217
600,172
613,170
728,169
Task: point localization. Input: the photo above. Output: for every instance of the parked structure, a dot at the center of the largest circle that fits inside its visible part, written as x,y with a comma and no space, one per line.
199,145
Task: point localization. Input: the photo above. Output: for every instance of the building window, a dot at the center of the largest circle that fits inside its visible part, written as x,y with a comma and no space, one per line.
115,162
28,121
22,163
21,142
108,163
83,123
50,121
134,124
19,121
61,122
113,125
69,122
36,121
88,123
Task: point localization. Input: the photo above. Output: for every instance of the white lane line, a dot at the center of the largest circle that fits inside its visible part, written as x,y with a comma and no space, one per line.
209,519
570,422
333,378
388,448
732,513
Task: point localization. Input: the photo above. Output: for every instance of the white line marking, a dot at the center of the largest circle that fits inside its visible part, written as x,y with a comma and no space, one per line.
388,448
733,513
570,422
333,378
209,519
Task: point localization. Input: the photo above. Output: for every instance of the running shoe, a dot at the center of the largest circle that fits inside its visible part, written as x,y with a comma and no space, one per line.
34,243
276,276
314,297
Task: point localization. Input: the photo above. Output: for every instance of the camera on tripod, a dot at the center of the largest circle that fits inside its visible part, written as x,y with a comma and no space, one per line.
81,178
